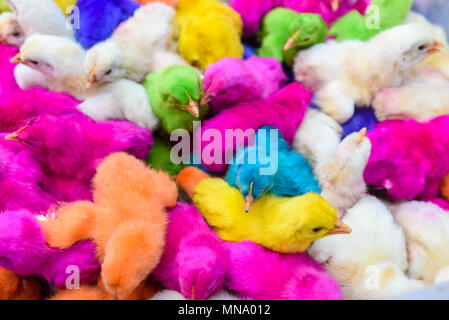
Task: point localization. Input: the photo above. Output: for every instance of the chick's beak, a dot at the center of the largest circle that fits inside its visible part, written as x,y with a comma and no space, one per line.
206,99
362,135
340,228
291,41
249,201
193,108
193,293
16,59
335,4
15,135
437,47
92,79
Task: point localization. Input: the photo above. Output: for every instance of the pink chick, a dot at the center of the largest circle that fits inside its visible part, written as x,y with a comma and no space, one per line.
408,159
195,262
252,11
24,251
73,145
260,274
283,110
232,80
7,81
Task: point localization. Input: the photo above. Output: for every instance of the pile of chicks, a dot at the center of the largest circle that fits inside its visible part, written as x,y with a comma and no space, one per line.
93,207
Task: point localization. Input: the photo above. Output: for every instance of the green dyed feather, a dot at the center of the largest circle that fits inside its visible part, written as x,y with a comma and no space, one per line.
4,6
388,13
170,91
281,24
159,158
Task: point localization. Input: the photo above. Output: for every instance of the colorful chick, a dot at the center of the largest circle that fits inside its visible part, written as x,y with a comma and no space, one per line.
231,81
127,221
382,15
297,276
65,5
286,225
10,30
94,28
4,6
175,95
285,32
283,110
159,158
195,262
208,31
290,173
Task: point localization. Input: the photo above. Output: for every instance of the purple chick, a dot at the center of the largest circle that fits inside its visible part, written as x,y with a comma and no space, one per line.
7,81
24,251
230,81
195,262
283,110
260,274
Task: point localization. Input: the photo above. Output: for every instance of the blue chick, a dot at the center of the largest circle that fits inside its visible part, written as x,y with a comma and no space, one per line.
99,18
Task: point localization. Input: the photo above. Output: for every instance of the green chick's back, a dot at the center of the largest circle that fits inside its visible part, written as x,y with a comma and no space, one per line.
380,16
159,158
172,92
278,26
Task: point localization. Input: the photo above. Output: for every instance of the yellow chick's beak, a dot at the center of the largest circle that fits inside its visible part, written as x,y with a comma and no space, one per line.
92,79
339,228
193,107
362,135
335,4
291,41
16,59
437,47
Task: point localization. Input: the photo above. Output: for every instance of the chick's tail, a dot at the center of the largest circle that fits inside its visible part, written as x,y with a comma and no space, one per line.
188,179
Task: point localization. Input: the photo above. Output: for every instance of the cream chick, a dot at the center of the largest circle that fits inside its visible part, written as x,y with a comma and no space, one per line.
10,31
349,73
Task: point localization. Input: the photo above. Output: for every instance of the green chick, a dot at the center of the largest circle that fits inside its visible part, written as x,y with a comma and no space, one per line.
4,6
159,158
380,16
175,95
285,32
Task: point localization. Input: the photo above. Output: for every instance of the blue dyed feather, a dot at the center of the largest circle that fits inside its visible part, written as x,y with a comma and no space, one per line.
362,118
99,19
293,177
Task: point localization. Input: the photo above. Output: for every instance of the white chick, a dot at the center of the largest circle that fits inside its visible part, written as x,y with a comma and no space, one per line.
40,17
423,97
140,45
175,295
349,73
10,31
123,99
370,262
341,177
317,138
426,226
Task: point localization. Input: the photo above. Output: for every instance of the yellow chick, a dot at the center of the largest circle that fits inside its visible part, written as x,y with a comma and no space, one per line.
282,224
208,31
65,4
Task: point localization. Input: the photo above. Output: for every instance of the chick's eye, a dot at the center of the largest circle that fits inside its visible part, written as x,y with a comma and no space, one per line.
422,47
316,230
16,34
108,72
34,62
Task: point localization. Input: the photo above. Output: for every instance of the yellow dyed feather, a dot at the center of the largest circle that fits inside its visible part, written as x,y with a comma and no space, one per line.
208,31
282,224
64,4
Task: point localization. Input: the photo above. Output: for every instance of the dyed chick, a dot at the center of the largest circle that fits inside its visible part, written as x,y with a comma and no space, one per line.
7,82
93,27
231,81
317,138
283,110
423,97
54,138
385,14
286,225
23,250
10,30
127,221
40,17
269,166
208,31
333,70
159,158
408,159
175,95
426,227
4,6
66,5
139,45
370,263
297,276
341,177
195,262
175,295
14,287
285,32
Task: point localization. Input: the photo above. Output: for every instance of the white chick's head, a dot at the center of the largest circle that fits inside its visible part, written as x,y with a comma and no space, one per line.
54,56
410,43
103,63
10,31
